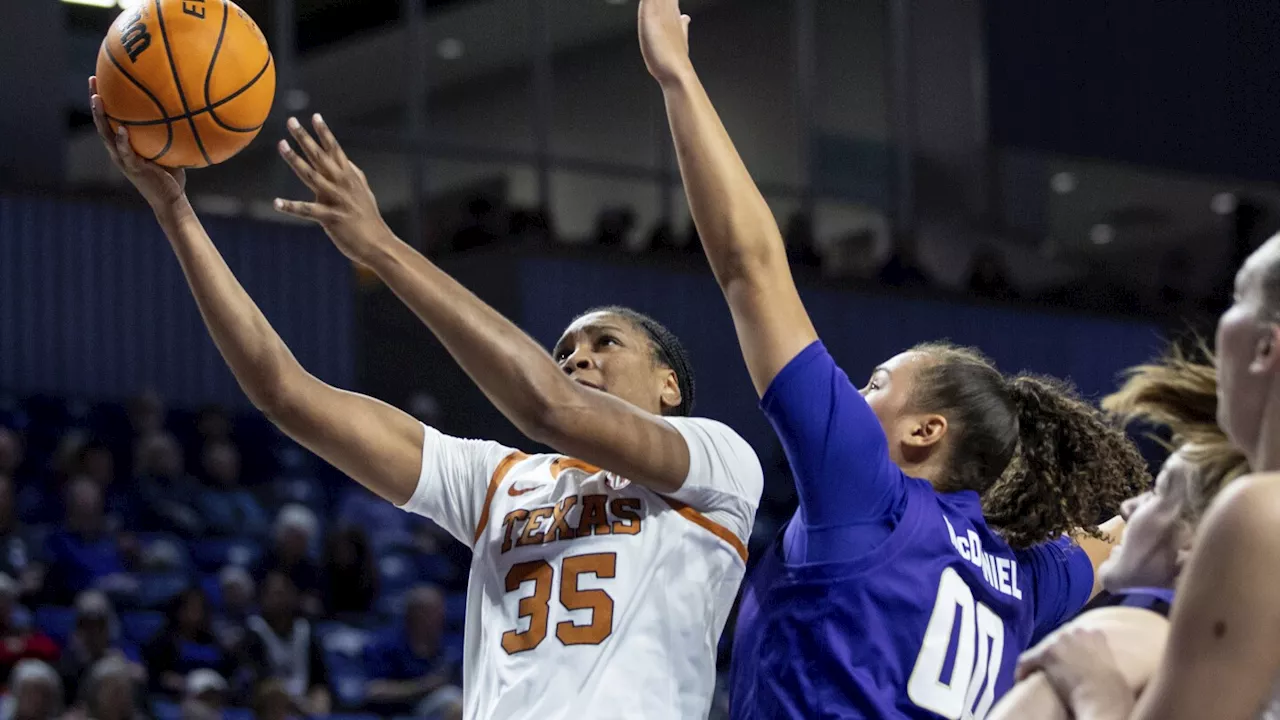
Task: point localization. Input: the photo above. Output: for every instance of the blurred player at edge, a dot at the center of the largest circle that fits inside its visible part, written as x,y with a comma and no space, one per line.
590,590
936,499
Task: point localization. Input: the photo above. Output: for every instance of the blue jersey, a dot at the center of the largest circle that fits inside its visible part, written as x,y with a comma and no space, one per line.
883,598
1157,600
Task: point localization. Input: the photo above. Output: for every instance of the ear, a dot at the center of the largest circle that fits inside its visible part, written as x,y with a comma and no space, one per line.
1266,356
670,396
925,431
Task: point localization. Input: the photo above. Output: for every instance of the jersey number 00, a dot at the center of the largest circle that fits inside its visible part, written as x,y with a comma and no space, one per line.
981,633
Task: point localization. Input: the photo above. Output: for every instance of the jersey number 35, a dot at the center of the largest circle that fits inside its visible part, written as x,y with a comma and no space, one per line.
981,634
537,607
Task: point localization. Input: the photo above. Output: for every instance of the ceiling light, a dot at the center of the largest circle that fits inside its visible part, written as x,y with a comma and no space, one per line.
450,48
1224,203
1063,182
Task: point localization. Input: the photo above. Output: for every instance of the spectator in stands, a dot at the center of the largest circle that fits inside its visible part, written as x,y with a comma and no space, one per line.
272,702
97,463
96,637
237,606
410,670
147,414
295,534
206,695
11,452
18,642
281,645
164,488
213,425
110,692
42,503
20,551
228,508
35,693
83,554
350,576
186,644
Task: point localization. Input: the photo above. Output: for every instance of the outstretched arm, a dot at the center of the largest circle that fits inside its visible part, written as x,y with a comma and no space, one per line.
378,445
738,231
516,374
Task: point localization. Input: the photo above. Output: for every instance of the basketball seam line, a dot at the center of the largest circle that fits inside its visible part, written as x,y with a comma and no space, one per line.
203,110
150,95
177,81
213,61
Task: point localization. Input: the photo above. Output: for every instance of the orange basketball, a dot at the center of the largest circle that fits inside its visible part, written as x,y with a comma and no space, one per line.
192,80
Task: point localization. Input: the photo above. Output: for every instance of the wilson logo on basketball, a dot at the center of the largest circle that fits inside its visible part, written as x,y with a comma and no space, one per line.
194,8
135,38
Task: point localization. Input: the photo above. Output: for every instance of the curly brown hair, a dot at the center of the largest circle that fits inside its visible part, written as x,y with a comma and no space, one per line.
1180,392
1045,462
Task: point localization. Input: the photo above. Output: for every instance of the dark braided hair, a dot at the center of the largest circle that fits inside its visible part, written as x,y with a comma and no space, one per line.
667,351
1045,462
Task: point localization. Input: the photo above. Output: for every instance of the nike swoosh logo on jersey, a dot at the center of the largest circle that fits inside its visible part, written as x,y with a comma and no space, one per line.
513,492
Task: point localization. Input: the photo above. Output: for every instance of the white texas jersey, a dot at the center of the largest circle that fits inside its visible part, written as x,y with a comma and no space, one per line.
590,595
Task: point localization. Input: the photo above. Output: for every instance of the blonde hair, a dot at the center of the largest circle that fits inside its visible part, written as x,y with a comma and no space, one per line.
1180,392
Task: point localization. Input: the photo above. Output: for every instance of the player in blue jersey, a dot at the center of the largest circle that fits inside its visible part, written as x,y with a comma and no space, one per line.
929,548
1223,658
1179,393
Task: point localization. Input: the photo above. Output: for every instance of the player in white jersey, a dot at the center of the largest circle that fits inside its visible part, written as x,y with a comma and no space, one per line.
590,591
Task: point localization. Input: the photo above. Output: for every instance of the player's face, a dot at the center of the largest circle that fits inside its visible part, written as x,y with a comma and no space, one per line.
888,393
608,353
1158,536
1246,353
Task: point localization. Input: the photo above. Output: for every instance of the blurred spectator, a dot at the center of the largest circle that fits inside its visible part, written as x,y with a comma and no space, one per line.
19,548
35,693
11,452
147,414
83,554
98,464
110,691
350,577
410,671
205,695
42,503
186,644
989,277
281,645
425,408
237,606
164,488
96,637
19,643
272,702
227,508
213,424
295,536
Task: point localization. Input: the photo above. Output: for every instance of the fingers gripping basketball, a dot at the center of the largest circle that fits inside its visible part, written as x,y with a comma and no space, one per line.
193,80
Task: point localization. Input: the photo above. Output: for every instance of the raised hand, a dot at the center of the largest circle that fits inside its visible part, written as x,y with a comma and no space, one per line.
344,206
164,188
664,39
